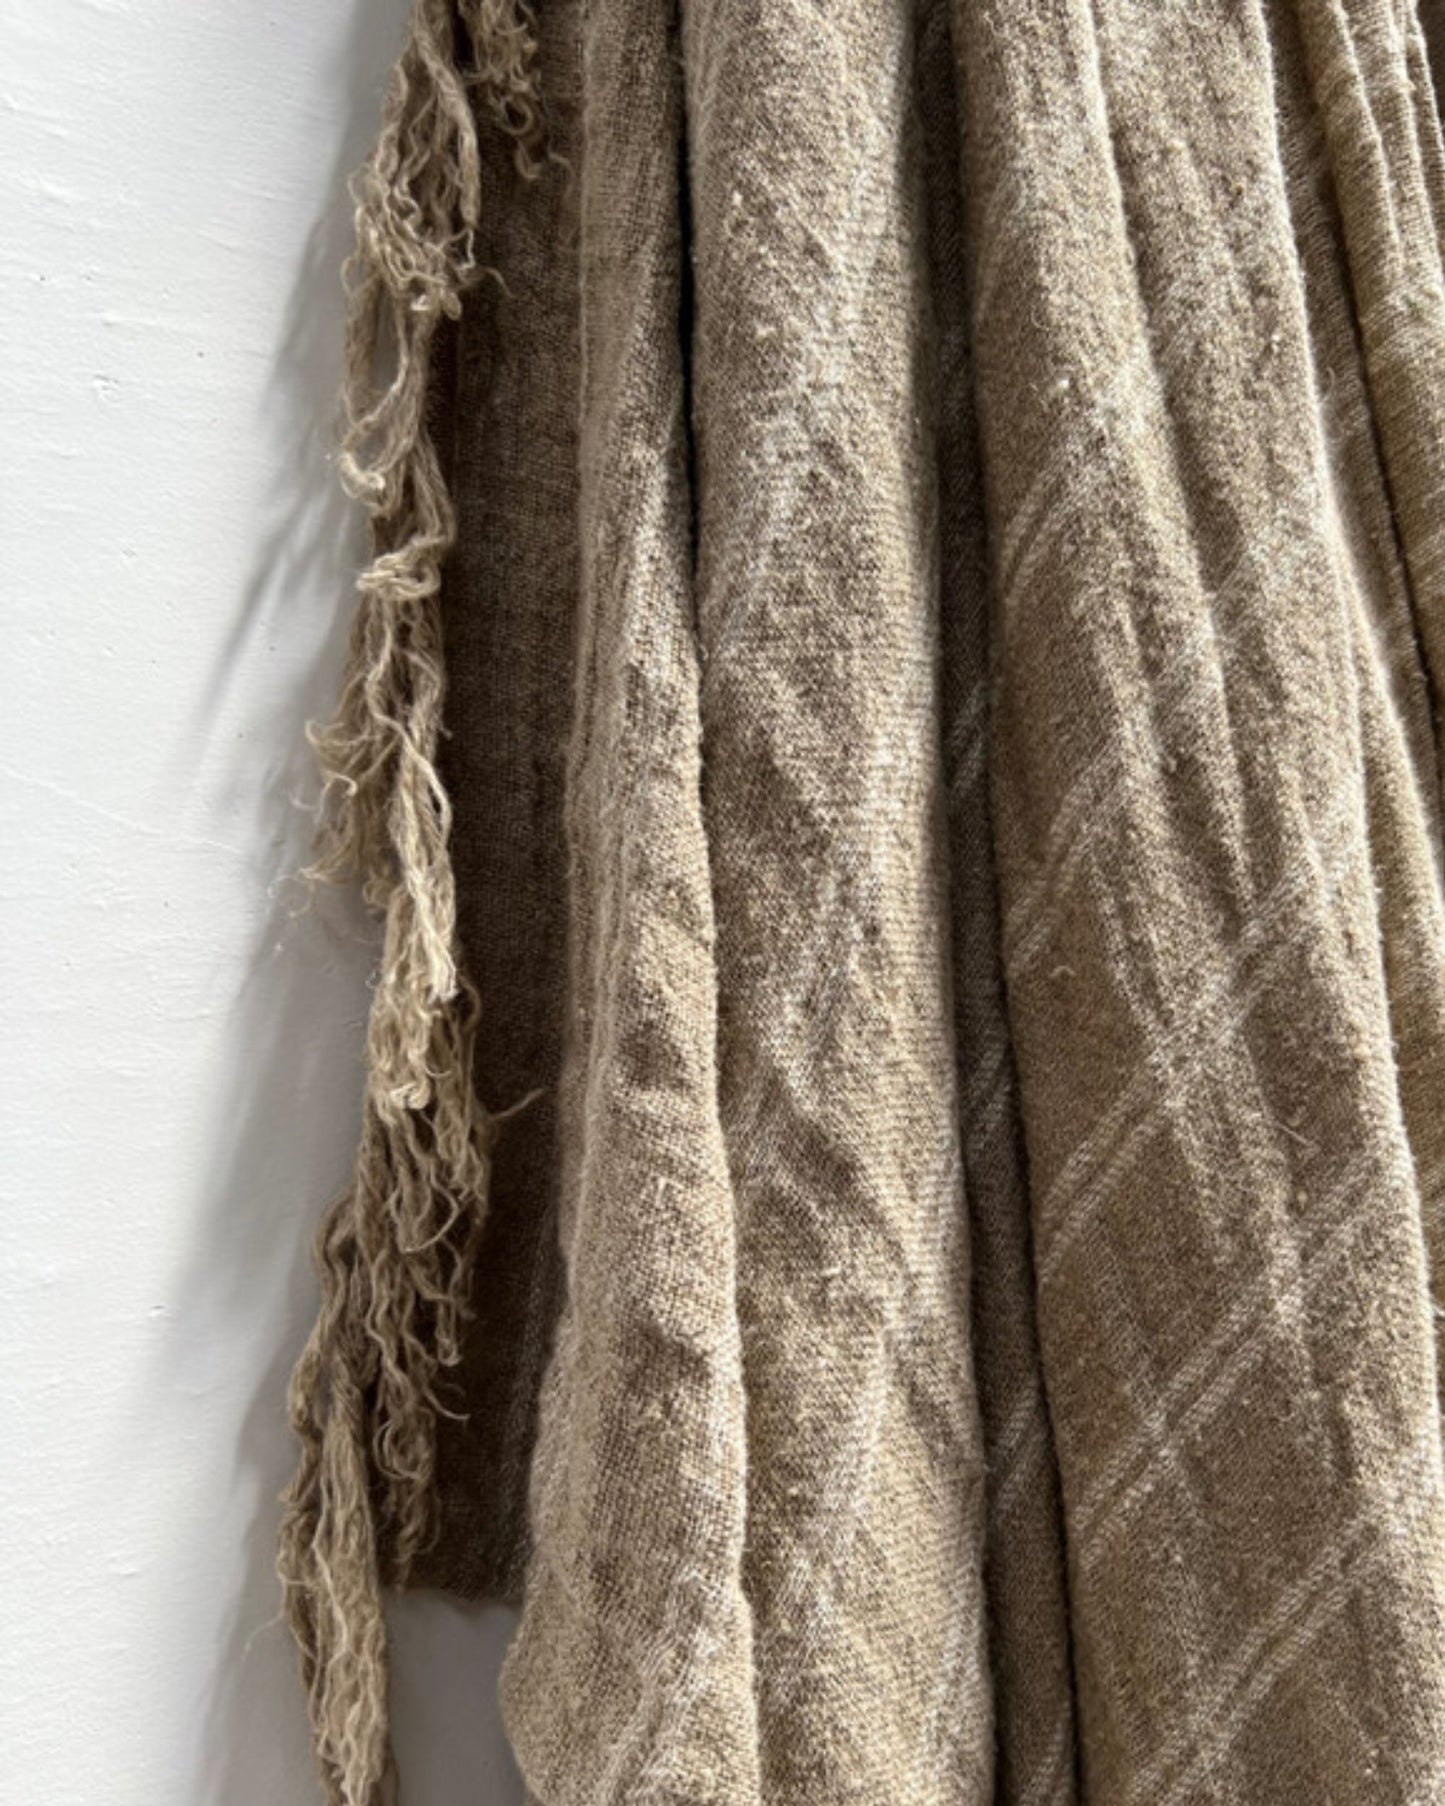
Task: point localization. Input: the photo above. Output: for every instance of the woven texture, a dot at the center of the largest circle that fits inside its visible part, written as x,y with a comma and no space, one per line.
944,645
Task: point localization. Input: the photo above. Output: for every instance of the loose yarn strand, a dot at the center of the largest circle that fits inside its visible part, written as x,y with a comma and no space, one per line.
394,1253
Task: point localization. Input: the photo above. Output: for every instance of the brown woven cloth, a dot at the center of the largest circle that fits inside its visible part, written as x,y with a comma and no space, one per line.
903,1195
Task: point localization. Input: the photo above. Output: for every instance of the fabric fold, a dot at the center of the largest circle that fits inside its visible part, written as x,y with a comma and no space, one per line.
1382,134
817,595
631,1675
1024,1549
504,402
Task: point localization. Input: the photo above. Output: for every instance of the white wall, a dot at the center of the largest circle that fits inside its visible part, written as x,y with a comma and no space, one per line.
180,1049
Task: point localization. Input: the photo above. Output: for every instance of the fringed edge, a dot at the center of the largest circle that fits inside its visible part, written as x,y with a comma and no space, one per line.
394,1253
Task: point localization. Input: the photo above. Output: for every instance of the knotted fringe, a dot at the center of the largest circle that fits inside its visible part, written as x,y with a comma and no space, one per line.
394,1252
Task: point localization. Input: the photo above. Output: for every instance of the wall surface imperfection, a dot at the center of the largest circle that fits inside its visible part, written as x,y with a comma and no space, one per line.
181,1044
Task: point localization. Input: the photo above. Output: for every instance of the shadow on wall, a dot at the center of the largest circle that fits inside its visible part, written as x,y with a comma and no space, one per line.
296,1035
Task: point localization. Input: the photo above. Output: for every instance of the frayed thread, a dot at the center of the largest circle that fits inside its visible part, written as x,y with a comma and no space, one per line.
394,1253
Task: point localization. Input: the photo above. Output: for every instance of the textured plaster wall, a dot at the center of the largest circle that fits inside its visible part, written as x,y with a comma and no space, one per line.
180,1048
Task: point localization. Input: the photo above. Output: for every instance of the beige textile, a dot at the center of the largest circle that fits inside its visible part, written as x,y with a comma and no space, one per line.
943,626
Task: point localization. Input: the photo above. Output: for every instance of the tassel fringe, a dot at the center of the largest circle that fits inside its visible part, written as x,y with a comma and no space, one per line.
394,1253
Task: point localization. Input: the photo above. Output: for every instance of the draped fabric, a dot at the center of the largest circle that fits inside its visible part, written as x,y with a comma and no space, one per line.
942,610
